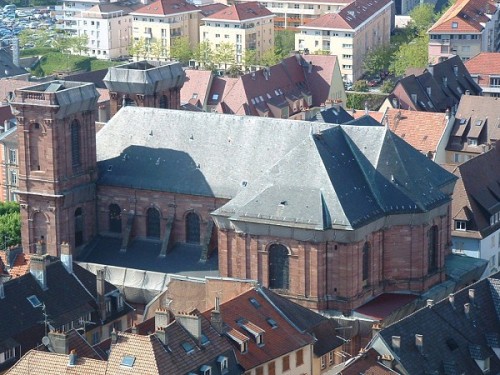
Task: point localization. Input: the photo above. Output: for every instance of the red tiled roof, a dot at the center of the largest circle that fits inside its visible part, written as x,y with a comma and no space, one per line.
277,341
209,9
350,17
378,116
21,264
468,16
241,12
196,85
383,305
484,64
422,130
167,7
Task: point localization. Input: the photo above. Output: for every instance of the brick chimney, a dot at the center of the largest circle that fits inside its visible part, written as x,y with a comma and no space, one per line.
101,293
216,317
161,333
191,323
38,268
67,257
59,342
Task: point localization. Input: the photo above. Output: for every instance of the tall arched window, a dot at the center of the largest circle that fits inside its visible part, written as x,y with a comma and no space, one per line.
279,277
163,101
433,238
75,144
40,229
192,228
366,261
153,223
78,227
115,218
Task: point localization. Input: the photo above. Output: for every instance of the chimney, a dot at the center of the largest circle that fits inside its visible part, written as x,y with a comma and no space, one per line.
396,344
134,330
429,91
419,343
430,303
114,336
191,323
101,293
455,70
72,358
161,333
447,114
472,296
367,111
467,310
40,247
162,318
451,298
59,342
67,257
467,92
216,317
2,290
310,67
15,51
445,81
38,268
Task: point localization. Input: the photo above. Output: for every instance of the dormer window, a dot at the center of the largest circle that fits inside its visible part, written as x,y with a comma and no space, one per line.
223,364
205,370
472,141
454,25
460,225
495,218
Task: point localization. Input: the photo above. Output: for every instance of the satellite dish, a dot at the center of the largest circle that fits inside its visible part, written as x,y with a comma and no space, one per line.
45,341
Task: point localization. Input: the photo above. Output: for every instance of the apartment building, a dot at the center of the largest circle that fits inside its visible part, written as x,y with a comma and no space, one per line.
248,26
485,70
108,28
350,34
9,165
71,11
467,28
163,20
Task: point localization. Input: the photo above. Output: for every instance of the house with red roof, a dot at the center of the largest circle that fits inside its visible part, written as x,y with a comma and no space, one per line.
484,68
465,29
244,27
358,28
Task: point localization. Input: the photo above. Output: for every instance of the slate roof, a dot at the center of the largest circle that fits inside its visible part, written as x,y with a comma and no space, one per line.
348,18
333,115
476,196
253,307
451,337
483,65
469,15
240,12
8,67
239,157
422,130
166,8
365,120
367,362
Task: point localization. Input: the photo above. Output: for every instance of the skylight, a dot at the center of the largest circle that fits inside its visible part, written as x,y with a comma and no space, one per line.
272,323
128,361
204,340
188,348
254,303
35,302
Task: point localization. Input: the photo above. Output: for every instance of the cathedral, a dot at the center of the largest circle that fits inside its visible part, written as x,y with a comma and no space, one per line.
328,215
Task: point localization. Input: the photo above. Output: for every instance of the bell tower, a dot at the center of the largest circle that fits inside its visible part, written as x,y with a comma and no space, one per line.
57,164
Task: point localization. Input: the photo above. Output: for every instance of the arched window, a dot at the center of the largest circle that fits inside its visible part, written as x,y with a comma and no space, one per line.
127,102
75,144
366,261
153,223
78,227
433,238
115,218
40,229
163,101
192,228
279,277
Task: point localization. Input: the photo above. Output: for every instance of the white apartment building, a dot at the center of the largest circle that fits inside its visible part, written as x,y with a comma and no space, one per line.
350,34
71,11
248,26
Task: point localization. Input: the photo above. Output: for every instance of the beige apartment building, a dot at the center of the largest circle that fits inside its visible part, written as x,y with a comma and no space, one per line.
350,34
249,26
163,20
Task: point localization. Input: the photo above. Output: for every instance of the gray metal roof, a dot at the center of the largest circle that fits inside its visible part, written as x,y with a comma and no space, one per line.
285,172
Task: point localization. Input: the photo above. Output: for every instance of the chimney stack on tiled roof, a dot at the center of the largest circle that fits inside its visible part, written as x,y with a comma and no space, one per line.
72,358
162,318
451,298
216,317
430,303
467,310
67,257
472,296
161,333
40,247
396,344
419,343
38,268
59,342
2,290
114,336
191,323
101,293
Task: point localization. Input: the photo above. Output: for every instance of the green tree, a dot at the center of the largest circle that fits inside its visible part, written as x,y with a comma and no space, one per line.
387,86
78,43
360,86
204,54
224,54
250,58
378,60
270,57
157,50
62,43
284,42
10,224
138,48
412,55
180,50
422,17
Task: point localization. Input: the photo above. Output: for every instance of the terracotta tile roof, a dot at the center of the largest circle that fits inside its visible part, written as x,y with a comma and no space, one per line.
378,116
20,267
469,16
196,85
323,69
241,12
367,363
10,85
350,17
210,9
483,65
422,130
45,363
252,307
166,8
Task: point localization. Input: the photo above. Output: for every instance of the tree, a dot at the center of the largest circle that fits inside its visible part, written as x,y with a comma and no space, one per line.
378,60
250,58
224,54
157,50
412,55
62,43
422,17
10,224
387,86
360,86
284,42
138,48
204,54
180,50
78,43
270,58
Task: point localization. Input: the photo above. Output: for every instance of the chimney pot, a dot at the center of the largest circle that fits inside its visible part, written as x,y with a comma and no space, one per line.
467,310
114,336
67,257
472,295
419,343
451,298
72,358
38,268
396,343
430,302
161,333
162,318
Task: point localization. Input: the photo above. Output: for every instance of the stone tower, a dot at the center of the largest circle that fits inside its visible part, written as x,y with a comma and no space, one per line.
57,164
145,84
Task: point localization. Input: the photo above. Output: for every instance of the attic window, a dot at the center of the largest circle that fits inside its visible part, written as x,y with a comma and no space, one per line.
215,96
479,122
462,121
188,348
204,340
460,225
35,302
195,96
272,323
128,361
254,303
454,25
206,370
